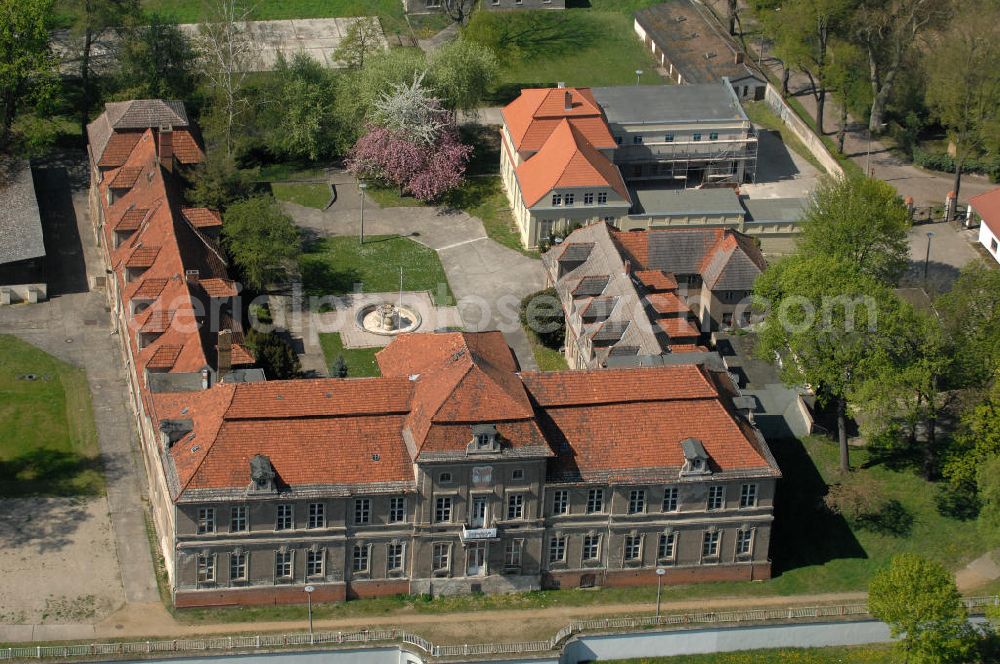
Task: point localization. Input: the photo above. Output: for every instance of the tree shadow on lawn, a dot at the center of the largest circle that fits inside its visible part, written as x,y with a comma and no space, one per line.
52,473
805,532
320,278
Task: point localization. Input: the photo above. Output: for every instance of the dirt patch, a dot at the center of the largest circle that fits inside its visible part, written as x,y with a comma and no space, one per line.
57,561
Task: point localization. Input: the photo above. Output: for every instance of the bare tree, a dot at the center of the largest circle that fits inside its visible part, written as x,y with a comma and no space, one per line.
459,10
412,111
228,56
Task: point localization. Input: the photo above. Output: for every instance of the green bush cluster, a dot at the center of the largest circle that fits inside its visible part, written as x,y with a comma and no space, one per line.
940,161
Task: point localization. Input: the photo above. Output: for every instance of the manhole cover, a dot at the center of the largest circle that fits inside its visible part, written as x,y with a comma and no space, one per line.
69,341
28,377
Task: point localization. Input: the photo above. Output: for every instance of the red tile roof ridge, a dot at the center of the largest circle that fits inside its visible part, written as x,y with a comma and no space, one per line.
686,382
214,423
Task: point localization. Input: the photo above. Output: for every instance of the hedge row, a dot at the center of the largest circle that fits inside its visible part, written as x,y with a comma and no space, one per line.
940,161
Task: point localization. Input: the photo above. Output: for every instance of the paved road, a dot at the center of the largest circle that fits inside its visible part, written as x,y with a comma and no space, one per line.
75,326
487,279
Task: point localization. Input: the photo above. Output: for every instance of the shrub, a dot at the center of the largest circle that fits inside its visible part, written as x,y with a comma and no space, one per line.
940,161
274,355
542,313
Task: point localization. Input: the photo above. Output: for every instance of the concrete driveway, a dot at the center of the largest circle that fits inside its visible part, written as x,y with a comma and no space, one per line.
488,279
950,249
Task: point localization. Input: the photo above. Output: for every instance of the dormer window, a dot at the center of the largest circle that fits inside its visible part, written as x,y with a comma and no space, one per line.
261,475
695,458
485,439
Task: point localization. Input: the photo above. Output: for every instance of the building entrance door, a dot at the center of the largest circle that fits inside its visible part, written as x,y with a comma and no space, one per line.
477,559
478,517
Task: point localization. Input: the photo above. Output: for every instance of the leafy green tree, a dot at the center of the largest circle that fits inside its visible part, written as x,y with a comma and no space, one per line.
846,75
862,221
976,441
339,368
970,313
261,239
824,320
274,355
91,19
359,89
462,73
27,68
156,61
803,31
963,86
307,125
363,39
217,183
919,601
542,313
988,484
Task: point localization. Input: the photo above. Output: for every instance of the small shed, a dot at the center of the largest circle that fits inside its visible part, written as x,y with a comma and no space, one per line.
22,246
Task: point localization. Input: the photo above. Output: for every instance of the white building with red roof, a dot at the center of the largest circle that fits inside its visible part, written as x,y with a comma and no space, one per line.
986,208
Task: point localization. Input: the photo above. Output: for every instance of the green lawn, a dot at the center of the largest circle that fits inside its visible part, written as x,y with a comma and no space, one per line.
360,361
332,266
872,654
48,442
191,11
309,195
547,358
582,46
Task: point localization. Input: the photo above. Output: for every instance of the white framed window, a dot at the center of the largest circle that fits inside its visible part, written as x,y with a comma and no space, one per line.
238,566
556,200
442,509
238,519
517,475
206,520
512,553
595,501
362,511
669,138
557,549
560,501
394,557
317,515
314,562
588,198
633,547
515,506
744,541
667,546
283,564
669,499
206,568
360,558
636,501
285,519
696,136
444,478
716,497
397,509
569,199
710,544
441,557
713,136
748,495
591,547
602,197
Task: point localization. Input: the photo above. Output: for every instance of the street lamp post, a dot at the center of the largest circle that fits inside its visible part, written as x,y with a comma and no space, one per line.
309,596
659,587
362,186
638,73
927,256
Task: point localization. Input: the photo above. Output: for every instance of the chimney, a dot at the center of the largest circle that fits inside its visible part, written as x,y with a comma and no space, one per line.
192,276
739,58
569,100
225,350
204,379
560,85
167,147
628,267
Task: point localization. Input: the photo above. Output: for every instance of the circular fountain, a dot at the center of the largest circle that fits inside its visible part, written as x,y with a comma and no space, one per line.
387,319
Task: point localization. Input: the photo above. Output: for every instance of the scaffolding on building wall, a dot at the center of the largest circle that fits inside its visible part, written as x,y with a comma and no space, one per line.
695,168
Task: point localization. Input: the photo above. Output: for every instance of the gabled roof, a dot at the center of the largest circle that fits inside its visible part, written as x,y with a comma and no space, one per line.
734,263
987,206
567,159
20,221
110,135
536,113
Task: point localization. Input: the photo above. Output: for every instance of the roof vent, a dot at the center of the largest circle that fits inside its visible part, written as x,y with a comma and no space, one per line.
280,397
561,85
375,456
414,377
196,448
328,395
458,355
185,410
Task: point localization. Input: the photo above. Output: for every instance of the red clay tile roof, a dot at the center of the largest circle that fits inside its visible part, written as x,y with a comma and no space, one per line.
581,388
656,280
126,177
567,160
164,357
149,289
142,257
219,288
202,217
119,147
131,220
987,206
667,303
158,321
677,328
288,399
186,148
536,113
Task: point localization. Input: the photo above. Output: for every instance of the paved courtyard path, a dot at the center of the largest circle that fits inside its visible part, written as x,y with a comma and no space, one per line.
487,279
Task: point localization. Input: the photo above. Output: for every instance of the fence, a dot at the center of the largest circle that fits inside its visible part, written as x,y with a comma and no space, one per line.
268,642
798,127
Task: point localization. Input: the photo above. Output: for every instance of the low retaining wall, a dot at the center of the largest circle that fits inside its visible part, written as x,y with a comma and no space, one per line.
798,127
257,596
647,577
27,293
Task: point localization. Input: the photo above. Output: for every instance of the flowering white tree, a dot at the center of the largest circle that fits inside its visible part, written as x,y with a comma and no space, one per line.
411,111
